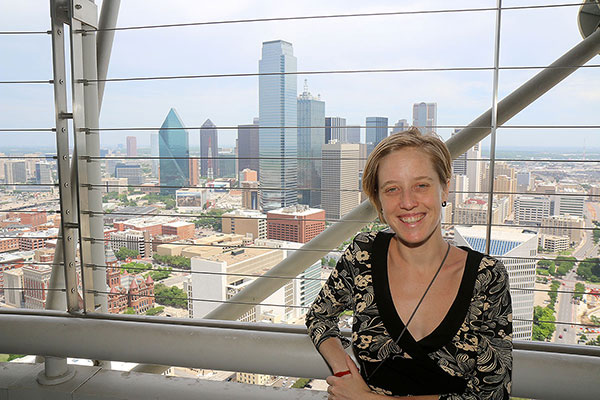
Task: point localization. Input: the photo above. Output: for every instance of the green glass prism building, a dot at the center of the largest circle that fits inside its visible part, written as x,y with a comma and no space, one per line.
174,152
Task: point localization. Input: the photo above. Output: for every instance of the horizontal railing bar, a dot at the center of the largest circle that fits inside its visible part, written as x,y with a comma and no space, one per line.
28,130
21,82
31,263
329,16
25,32
329,72
52,157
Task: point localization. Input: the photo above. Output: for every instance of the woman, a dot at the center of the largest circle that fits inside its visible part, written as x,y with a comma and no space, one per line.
456,343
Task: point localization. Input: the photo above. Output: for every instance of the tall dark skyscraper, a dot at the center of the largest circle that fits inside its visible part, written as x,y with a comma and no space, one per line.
311,136
278,120
209,139
248,147
377,130
174,150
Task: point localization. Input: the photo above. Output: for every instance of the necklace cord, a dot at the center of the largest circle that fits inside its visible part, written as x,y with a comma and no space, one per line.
413,313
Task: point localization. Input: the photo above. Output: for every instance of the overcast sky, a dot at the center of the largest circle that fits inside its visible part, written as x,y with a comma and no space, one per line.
533,37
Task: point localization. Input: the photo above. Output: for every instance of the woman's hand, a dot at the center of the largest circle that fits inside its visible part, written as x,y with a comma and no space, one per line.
348,387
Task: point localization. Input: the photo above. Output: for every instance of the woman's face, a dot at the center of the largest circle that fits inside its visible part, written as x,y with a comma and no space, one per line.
411,195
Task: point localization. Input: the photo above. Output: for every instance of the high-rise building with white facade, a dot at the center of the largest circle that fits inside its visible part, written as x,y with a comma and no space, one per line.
311,136
15,171
400,126
570,202
517,249
340,179
43,172
564,225
36,279
278,119
459,189
531,209
425,116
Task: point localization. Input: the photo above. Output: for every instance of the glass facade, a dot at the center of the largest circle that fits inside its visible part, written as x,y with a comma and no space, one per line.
376,131
174,151
311,137
278,120
209,147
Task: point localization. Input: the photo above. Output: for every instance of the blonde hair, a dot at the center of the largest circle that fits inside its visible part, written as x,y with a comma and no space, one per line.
430,144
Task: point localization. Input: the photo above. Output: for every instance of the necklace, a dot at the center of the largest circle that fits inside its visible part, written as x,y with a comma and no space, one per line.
413,313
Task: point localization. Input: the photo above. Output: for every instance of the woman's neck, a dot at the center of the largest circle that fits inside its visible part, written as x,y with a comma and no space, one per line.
424,257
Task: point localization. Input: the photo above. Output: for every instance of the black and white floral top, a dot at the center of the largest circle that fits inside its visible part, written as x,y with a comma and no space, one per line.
468,356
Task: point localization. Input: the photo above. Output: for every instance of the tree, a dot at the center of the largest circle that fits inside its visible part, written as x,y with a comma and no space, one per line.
579,289
170,296
160,273
300,383
543,330
136,267
129,310
124,253
589,269
155,310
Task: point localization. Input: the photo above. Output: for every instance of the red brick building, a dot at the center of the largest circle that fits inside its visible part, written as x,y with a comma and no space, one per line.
9,244
184,230
295,224
33,218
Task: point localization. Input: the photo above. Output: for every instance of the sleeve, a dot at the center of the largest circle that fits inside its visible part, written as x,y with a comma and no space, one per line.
335,297
491,377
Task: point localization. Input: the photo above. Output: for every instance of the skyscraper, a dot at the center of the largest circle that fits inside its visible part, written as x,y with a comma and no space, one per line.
425,116
353,134
400,126
335,129
340,179
248,146
154,153
278,119
377,130
311,136
131,146
209,147
174,150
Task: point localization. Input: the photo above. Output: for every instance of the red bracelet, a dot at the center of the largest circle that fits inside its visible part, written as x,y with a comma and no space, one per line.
342,373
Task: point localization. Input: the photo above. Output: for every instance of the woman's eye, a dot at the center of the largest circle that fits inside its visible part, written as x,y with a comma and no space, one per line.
390,190
422,186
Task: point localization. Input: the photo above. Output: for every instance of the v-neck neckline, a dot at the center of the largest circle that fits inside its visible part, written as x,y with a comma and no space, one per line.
392,321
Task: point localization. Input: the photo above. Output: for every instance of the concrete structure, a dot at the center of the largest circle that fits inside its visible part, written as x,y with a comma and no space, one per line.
531,209
425,117
250,195
295,224
517,249
35,284
339,179
43,173
311,136
133,240
13,282
184,230
278,119
244,222
564,225
570,202
118,185
553,243
474,212
459,189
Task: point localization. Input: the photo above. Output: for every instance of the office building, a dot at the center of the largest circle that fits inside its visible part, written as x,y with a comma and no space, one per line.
425,117
133,240
36,279
132,172
475,212
553,243
564,225
131,146
15,171
248,146
191,199
43,173
227,164
400,126
311,136
245,222
524,181
340,179
193,168
377,130
335,129
297,223
183,230
353,134
278,119
531,209
570,202
13,279
250,195
506,243
174,150
459,189
209,150
154,153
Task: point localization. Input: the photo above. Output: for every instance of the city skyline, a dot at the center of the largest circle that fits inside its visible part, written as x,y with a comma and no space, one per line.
461,96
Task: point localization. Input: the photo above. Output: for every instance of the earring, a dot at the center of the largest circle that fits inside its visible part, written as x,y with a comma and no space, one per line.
444,204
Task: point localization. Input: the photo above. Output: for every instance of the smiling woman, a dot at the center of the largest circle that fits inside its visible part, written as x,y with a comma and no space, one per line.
430,319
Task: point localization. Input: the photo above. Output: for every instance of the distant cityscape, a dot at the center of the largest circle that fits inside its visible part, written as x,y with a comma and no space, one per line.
187,228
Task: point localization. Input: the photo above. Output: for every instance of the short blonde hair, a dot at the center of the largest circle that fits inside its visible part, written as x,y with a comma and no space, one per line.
430,144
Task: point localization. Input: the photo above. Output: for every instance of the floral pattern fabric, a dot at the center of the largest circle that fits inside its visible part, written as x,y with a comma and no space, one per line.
473,342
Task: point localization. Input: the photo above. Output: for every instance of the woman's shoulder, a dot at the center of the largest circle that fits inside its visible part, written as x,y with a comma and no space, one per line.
365,240
489,269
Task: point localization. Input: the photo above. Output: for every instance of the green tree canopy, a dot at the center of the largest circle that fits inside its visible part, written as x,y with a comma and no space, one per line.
123,253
